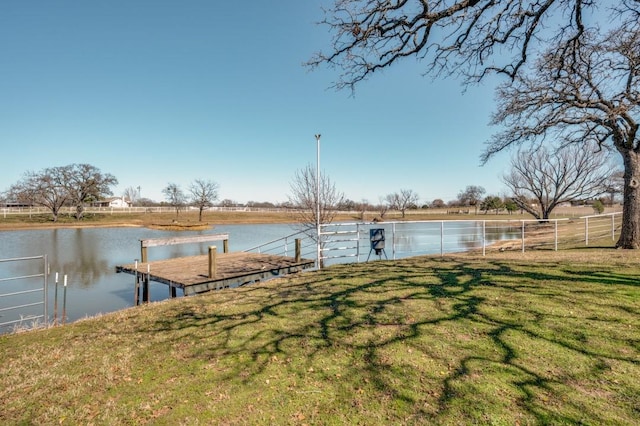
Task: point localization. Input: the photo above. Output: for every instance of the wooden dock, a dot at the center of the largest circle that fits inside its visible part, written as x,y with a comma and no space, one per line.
199,274
191,274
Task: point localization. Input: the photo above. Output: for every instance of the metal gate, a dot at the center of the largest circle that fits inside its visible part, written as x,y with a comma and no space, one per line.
23,292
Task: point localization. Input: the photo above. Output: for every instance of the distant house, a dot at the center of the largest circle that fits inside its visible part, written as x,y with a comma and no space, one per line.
116,202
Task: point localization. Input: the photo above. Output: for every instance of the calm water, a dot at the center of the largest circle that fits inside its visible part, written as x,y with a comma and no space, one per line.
89,256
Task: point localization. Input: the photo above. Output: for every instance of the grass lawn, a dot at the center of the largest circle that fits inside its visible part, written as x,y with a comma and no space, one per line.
511,338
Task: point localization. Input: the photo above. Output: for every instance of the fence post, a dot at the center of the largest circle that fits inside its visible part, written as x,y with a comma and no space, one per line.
586,231
357,243
55,302
143,252
145,285
522,233
298,250
613,227
136,287
484,236
393,240
46,291
441,238
64,301
556,236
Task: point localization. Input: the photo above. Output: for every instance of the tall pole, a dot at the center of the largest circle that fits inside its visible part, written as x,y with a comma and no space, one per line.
318,200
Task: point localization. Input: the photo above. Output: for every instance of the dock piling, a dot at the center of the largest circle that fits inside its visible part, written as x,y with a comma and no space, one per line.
212,261
145,285
136,286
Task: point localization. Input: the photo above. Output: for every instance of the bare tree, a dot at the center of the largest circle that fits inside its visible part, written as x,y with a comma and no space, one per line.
175,196
132,194
86,183
46,188
471,196
362,208
553,177
584,87
471,38
304,195
203,194
309,202
588,96
382,207
402,201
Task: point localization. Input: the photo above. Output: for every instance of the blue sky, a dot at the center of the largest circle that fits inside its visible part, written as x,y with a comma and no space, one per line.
159,91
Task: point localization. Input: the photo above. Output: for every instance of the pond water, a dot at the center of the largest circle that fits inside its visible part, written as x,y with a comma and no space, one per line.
88,257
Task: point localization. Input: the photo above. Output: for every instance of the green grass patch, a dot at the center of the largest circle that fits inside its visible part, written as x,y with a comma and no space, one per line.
507,339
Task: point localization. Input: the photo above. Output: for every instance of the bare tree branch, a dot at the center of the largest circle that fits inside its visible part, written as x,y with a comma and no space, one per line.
402,201
552,177
175,196
203,194
305,196
470,38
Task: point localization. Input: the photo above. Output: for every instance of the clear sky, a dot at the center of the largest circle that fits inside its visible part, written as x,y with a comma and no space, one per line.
159,91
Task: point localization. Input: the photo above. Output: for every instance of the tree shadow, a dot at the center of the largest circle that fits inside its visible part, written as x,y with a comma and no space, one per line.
436,339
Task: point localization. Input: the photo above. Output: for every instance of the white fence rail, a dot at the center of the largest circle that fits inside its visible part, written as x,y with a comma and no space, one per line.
351,242
30,211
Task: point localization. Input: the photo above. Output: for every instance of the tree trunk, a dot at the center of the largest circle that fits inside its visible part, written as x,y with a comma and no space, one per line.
79,211
630,232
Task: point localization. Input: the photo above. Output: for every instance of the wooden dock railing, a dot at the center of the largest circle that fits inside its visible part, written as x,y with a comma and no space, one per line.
144,244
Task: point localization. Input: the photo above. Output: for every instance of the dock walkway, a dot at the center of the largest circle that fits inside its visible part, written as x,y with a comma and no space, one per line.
191,274
199,274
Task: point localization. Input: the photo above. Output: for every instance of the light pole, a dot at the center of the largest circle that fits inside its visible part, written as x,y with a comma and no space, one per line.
318,200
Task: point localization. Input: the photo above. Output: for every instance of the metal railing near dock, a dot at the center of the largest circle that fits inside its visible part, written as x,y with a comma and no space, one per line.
285,246
350,242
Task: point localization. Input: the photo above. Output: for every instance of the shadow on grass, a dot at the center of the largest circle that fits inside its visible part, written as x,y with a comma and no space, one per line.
428,340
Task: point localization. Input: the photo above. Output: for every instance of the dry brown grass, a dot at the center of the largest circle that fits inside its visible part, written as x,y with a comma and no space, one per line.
150,219
188,218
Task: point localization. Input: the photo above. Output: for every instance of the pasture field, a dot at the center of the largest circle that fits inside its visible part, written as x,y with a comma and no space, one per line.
541,337
26,220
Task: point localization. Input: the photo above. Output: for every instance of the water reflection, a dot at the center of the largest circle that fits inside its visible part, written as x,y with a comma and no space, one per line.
88,257
446,237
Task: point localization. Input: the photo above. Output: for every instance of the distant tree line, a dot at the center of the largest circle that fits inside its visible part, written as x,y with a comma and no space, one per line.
79,185
538,181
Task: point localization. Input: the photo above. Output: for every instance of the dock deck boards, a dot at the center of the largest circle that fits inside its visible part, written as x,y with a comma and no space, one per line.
232,269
